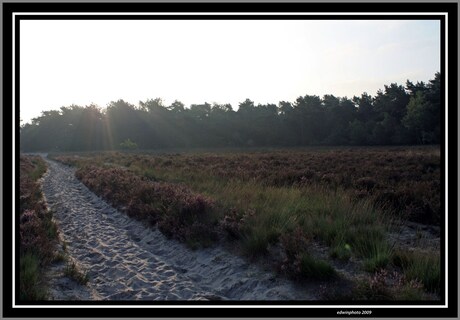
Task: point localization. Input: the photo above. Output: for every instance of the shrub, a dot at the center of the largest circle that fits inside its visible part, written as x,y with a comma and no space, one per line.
128,145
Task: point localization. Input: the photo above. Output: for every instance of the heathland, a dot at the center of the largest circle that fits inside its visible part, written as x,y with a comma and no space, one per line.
370,216
347,192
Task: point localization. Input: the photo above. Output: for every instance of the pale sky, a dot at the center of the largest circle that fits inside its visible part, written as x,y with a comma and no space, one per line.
225,61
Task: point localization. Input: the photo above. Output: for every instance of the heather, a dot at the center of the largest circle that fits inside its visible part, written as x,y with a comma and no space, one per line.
404,180
36,230
179,212
344,201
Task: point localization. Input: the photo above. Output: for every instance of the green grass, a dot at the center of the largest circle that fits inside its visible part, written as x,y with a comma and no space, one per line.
50,226
369,243
348,226
267,211
39,168
31,286
379,258
255,241
312,268
421,266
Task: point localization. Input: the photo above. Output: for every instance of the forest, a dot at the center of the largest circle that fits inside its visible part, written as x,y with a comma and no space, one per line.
396,115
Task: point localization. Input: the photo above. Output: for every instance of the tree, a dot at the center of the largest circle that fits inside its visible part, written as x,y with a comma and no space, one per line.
222,124
177,107
358,133
89,129
153,105
309,118
434,96
246,107
221,108
200,111
413,89
123,122
396,115
366,111
391,107
392,101
340,113
420,119
285,108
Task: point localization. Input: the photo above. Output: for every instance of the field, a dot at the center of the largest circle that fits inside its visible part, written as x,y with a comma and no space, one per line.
317,214
36,228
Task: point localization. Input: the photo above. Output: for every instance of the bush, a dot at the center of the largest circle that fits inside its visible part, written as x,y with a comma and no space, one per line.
128,145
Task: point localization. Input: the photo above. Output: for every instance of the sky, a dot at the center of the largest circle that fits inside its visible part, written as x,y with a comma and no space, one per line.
65,62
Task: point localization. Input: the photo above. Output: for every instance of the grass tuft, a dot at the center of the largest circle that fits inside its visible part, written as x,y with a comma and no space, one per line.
312,268
71,270
424,267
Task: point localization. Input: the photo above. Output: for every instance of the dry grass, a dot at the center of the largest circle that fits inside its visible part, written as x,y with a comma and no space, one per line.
344,198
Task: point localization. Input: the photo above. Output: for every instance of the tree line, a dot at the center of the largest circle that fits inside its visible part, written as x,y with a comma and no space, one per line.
396,115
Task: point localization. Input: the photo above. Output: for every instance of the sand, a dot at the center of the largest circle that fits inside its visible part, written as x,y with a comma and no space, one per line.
127,261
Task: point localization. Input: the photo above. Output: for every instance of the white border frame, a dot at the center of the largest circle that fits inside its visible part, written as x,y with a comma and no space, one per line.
345,307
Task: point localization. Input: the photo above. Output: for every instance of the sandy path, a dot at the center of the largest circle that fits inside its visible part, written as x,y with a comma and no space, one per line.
127,261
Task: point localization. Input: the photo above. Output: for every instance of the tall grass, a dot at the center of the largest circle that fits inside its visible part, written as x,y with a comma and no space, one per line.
421,266
37,231
329,216
310,267
31,286
38,170
299,198
265,212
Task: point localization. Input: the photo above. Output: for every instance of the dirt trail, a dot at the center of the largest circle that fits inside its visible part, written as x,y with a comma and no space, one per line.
127,261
